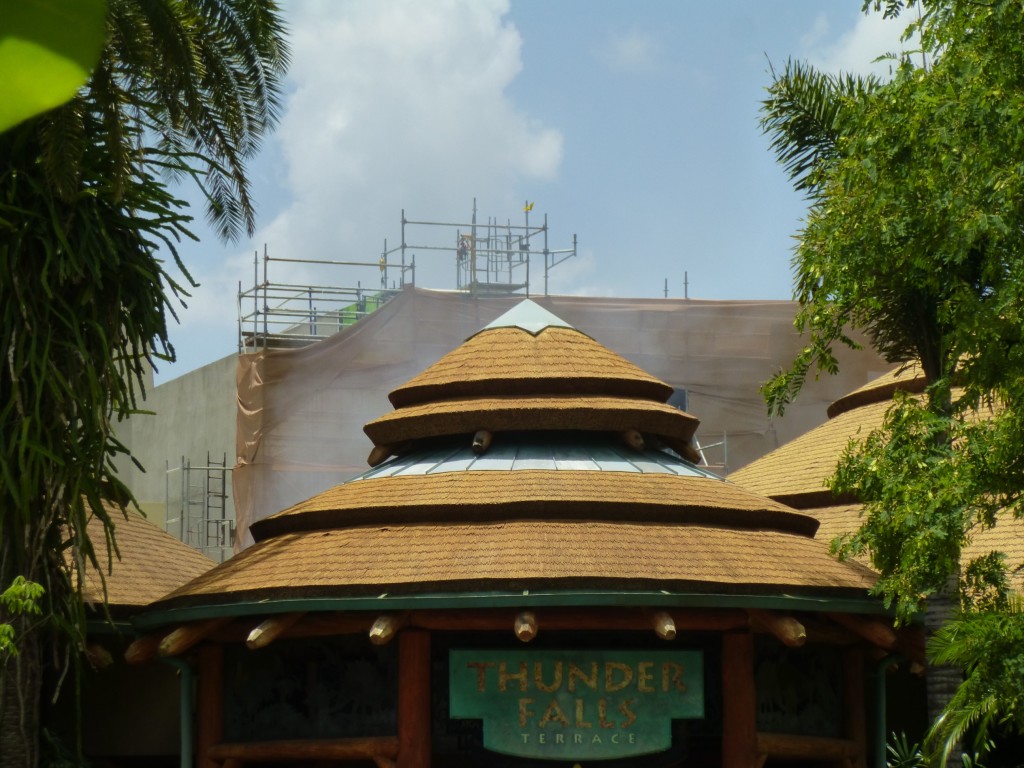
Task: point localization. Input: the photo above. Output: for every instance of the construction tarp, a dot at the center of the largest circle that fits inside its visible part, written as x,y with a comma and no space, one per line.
301,411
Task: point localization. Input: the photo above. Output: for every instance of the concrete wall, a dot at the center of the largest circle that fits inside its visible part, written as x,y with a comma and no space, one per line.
193,415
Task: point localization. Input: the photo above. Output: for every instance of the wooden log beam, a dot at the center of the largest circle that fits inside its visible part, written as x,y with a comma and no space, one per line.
792,747
272,628
98,656
369,748
144,648
820,632
561,619
384,628
684,449
632,439
786,629
525,626
379,454
330,624
910,641
871,629
482,441
664,625
188,635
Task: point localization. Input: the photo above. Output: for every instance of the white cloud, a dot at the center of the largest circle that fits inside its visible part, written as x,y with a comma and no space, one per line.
632,51
391,105
401,105
856,49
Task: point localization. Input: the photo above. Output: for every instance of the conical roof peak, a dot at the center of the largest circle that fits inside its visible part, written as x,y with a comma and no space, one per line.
528,316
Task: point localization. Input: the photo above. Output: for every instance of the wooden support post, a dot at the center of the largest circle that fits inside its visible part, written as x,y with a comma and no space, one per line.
413,699
739,701
855,724
209,704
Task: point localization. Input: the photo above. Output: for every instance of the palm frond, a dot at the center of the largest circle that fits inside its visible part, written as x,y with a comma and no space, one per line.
802,114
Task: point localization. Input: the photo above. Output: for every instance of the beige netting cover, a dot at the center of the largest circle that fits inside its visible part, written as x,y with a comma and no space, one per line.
301,411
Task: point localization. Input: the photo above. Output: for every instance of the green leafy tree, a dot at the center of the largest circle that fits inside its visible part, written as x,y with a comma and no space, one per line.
915,234
181,89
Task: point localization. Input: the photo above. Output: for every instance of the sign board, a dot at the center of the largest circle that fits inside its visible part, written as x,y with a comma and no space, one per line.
576,705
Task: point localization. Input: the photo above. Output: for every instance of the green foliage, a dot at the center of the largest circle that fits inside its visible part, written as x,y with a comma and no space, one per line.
903,754
47,51
915,236
20,598
989,646
181,89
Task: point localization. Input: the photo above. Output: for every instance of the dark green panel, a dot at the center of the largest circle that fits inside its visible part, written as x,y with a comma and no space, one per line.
593,704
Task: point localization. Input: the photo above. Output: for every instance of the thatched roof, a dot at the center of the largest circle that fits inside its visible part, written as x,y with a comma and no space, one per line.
152,563
564,503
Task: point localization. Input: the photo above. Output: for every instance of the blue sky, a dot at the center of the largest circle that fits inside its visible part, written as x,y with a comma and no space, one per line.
633,125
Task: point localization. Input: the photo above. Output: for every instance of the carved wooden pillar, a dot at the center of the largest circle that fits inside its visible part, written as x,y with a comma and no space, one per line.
855,726
210,703
739,701
414,699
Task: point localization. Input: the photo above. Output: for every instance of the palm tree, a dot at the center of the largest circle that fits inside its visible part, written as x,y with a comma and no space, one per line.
809,116
182,88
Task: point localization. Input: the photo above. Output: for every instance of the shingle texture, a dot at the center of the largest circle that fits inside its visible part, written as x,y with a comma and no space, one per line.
447,557
152,562
576,523
908,378
795,473
511,361
550,494
800,467
500,414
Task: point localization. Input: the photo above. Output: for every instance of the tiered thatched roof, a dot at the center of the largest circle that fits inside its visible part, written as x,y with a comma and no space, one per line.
796,473
580,489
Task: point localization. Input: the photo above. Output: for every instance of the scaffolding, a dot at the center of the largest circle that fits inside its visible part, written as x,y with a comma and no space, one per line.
491,259
197,506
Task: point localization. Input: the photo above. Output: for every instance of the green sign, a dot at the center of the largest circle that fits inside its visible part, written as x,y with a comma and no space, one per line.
576,705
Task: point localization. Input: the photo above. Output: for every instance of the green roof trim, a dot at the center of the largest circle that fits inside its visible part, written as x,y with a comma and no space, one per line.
522,599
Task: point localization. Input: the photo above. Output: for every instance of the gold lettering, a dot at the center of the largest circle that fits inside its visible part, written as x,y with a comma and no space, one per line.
555,714
677,677
575,673
580,722
644,676
481,668
538,677
629,714
524,712
610,668
504,676
602,714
